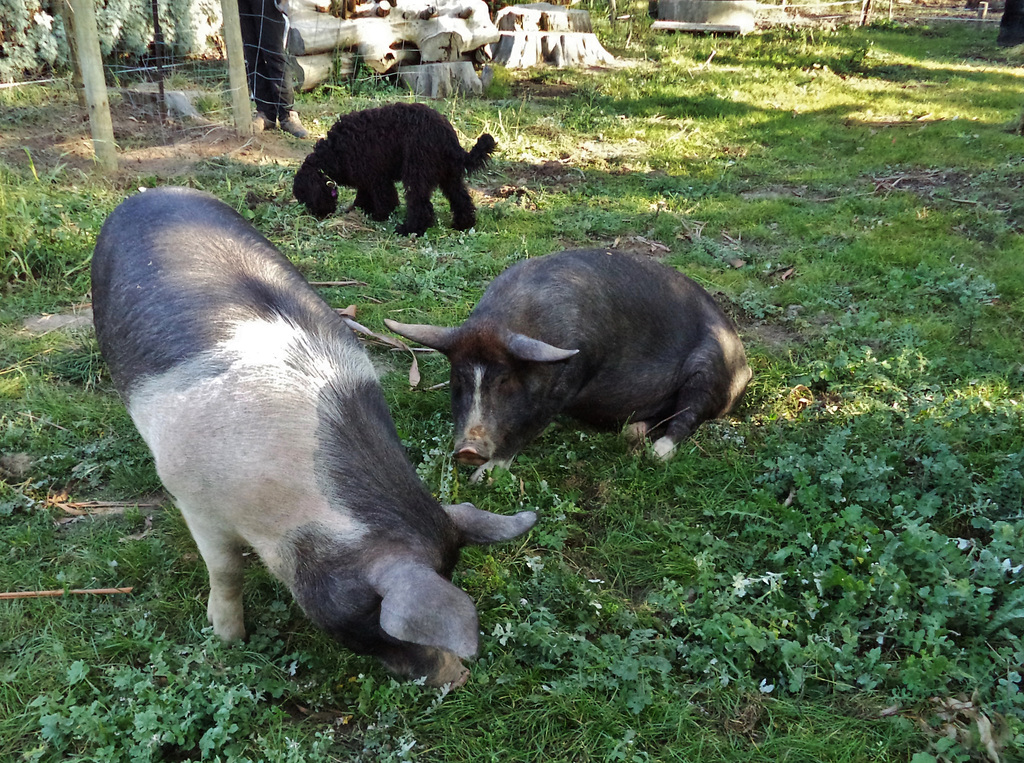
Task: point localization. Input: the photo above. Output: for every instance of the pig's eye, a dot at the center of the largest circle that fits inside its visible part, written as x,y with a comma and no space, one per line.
502,378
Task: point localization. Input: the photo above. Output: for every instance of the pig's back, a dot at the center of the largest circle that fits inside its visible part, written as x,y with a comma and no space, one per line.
252,394
641,328
594,299
175,271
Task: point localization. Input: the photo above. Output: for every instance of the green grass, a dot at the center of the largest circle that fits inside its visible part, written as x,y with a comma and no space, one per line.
832,573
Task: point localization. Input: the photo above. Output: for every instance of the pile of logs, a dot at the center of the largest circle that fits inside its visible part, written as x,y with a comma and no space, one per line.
435,42
434,45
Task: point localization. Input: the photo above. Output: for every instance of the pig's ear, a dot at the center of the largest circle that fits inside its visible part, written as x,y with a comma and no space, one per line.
435,337
525,348
421,607
480,527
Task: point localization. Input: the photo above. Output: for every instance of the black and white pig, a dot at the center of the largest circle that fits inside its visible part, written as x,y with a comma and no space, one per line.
268,426
606,337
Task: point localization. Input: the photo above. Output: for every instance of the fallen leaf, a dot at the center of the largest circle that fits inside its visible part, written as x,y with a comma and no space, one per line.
656,246
361,329
736,262
414,371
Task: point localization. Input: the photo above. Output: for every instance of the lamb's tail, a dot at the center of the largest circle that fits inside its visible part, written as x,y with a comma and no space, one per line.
477,156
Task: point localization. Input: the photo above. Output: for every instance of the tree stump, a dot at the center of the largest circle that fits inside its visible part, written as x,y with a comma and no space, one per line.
541,33
441,80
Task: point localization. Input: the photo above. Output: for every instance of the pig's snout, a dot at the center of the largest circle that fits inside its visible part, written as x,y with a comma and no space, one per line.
474,447
450,671
471,453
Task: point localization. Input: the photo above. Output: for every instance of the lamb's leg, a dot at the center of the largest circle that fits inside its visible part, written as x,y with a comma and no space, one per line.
463,211
419,213
363,201
384,198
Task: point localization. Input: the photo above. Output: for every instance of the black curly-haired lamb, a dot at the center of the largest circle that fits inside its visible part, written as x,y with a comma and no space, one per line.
371,150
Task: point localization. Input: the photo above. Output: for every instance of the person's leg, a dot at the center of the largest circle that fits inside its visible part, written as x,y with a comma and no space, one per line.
250,17
277,79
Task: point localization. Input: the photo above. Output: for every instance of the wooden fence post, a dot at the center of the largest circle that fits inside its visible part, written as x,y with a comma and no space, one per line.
91,62
68,15
237,81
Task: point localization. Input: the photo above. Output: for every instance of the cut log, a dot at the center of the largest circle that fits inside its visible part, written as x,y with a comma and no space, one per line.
541,33
441,80
441,30
310,71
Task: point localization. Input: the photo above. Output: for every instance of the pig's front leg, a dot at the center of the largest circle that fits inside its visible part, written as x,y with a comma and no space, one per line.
224,562
637,432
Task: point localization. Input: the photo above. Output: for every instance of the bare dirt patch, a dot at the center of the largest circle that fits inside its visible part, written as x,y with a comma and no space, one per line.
45,140
771,336
538,88
524,179
984,191
923,182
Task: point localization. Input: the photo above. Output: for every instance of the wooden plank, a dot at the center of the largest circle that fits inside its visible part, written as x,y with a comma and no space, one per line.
688,26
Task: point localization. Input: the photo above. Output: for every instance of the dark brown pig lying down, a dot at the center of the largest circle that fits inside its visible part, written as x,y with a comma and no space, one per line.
606,337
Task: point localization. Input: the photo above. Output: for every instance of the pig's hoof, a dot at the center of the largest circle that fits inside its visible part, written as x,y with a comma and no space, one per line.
228,628
230,632
460,680
484,470
635,433
664,448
